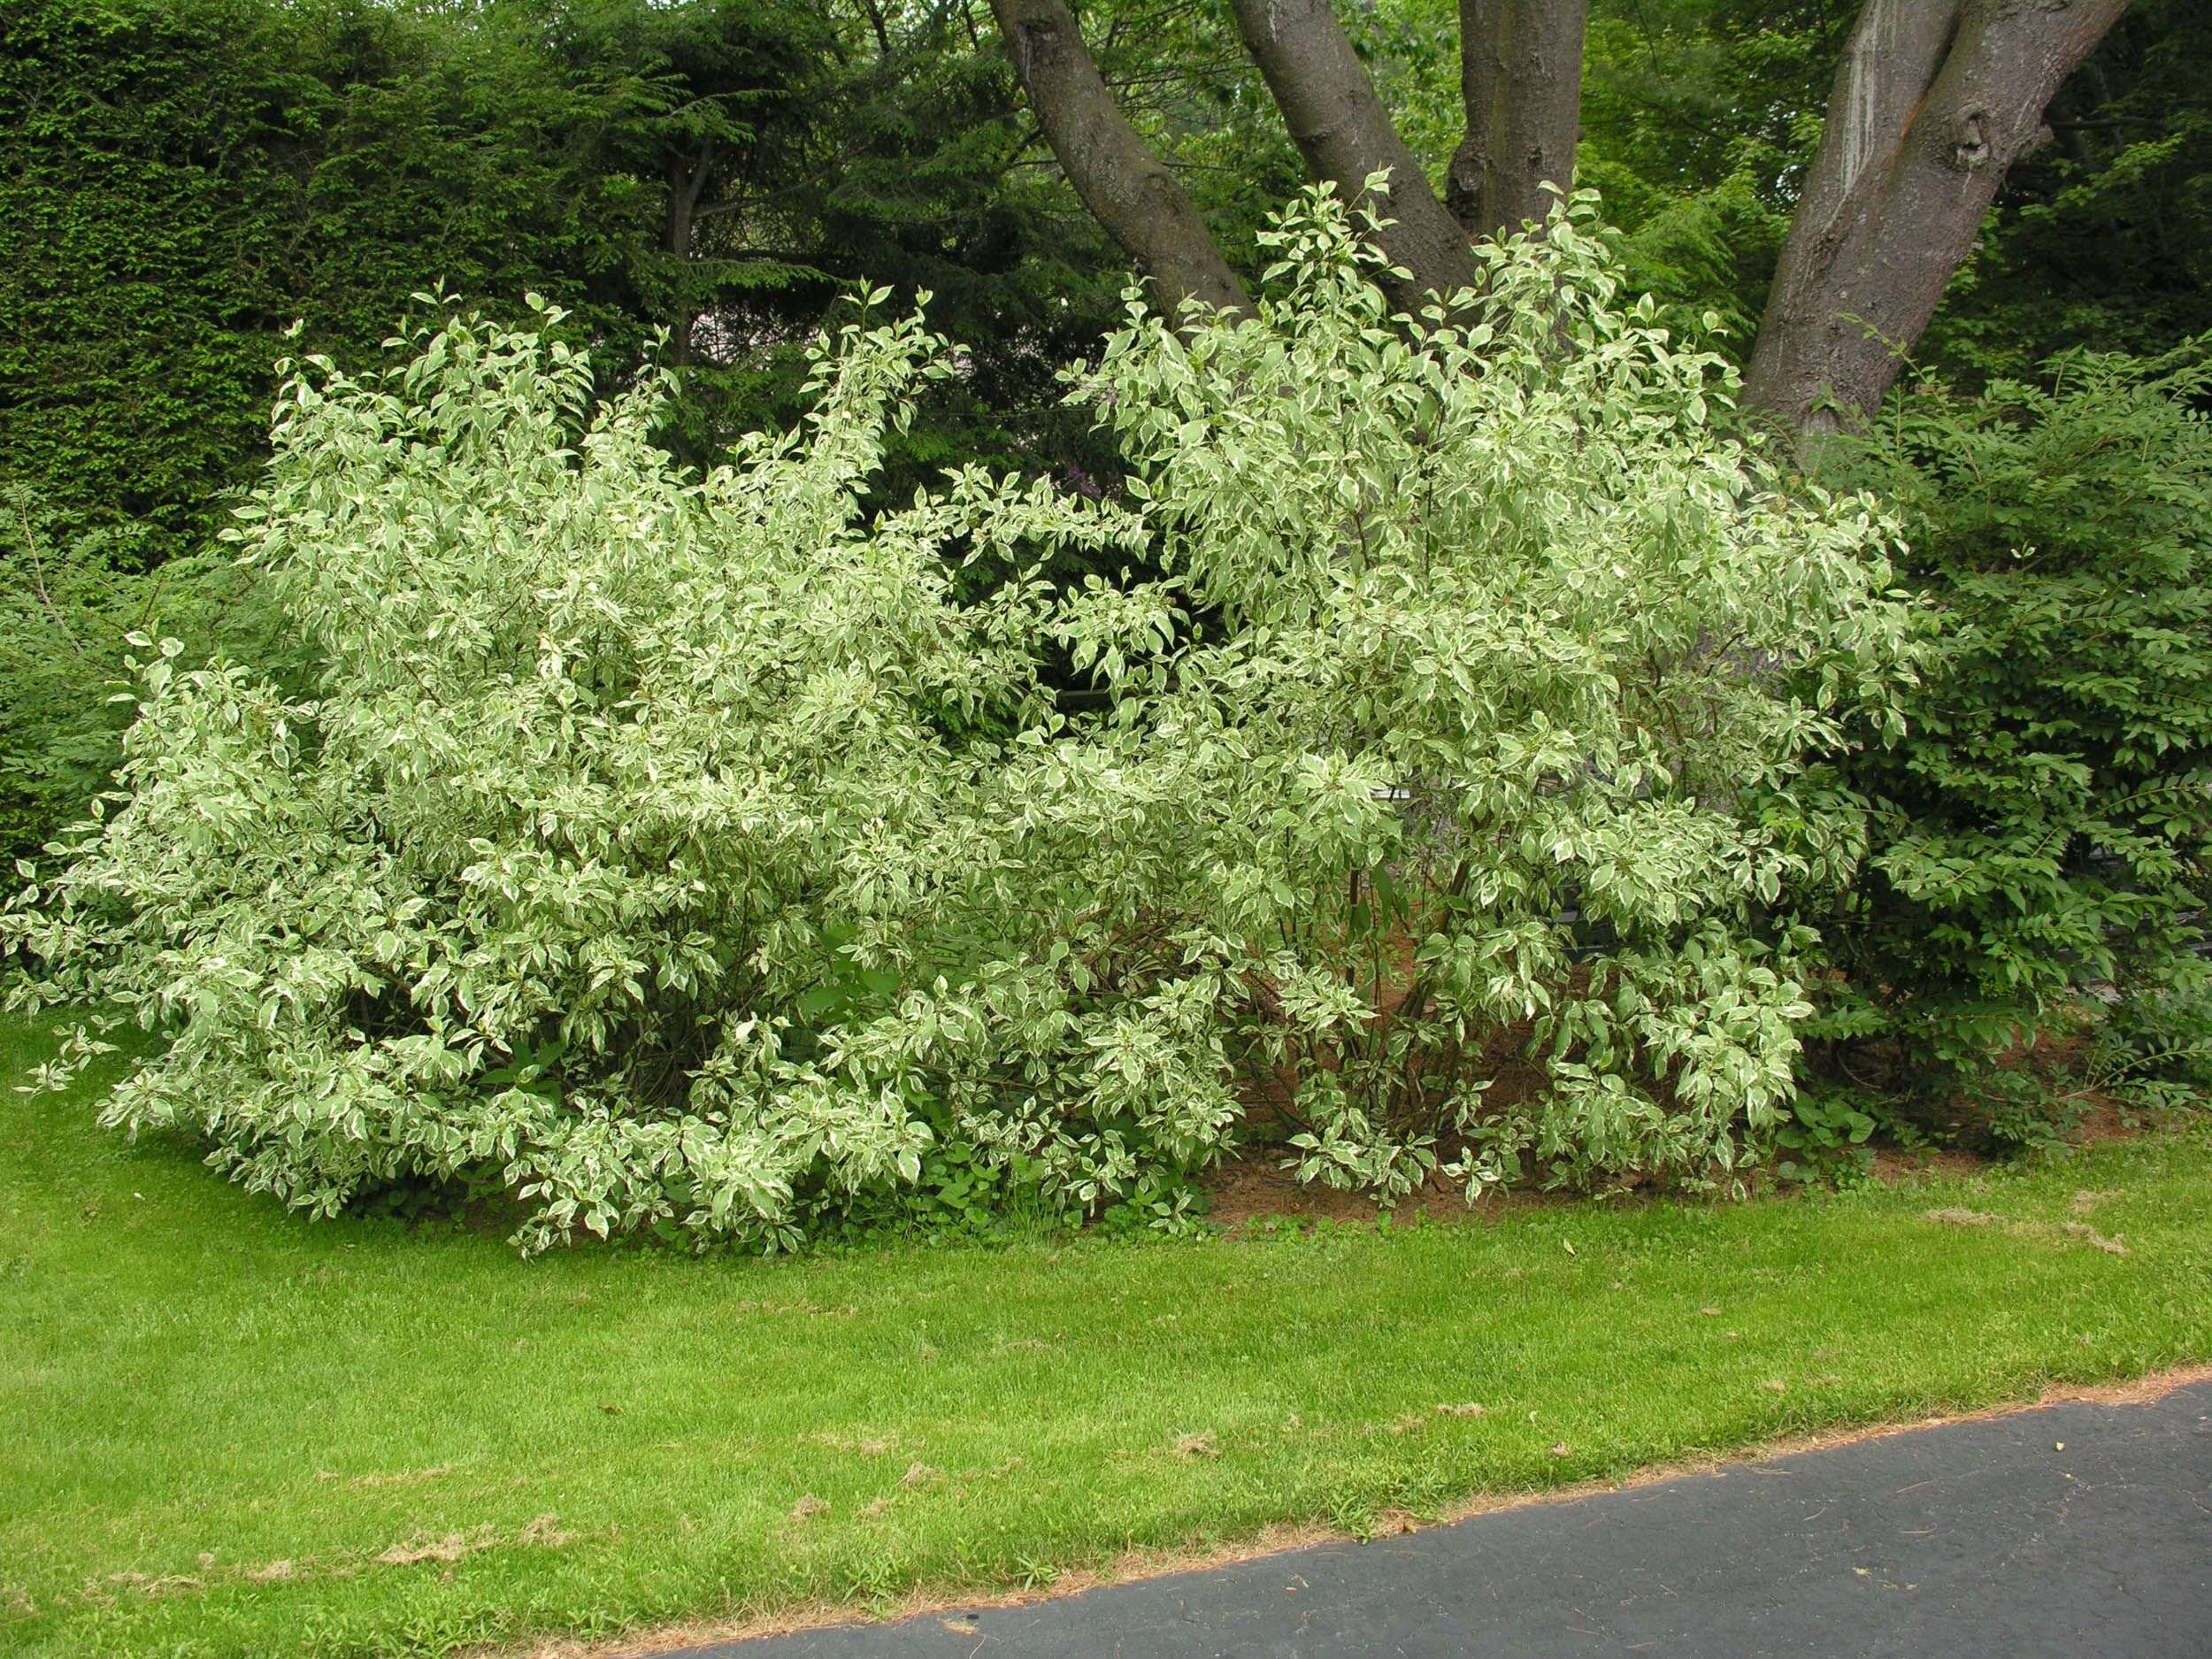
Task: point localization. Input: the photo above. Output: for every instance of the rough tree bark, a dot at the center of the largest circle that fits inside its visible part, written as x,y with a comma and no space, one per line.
1934,101
1520,76
1127,188
1344,134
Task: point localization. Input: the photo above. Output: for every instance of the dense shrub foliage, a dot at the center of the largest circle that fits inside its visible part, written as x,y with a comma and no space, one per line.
686,852
182,180
70,598
2047,829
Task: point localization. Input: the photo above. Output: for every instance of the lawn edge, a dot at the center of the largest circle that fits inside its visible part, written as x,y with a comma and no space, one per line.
1137,1565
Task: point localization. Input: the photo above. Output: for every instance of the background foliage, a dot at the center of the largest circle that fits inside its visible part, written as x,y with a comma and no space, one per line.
184,181
2047,829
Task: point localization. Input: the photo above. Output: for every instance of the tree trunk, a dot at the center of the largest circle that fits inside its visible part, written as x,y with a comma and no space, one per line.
687,182
1127,188
1344,134
1520,76
1934,101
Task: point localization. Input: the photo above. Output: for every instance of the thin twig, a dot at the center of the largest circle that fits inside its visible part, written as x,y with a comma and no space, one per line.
38,573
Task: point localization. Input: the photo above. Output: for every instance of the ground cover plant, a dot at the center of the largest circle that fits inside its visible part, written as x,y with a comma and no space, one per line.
235,1432
684,853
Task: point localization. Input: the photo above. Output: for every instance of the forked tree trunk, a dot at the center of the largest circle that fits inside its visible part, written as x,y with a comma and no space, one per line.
1934,101
1127,188
1520,76
1344,135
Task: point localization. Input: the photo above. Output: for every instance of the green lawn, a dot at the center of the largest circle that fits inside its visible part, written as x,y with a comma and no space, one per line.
229,1432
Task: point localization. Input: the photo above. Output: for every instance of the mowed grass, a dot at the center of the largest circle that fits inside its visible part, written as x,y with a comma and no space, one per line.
231,1431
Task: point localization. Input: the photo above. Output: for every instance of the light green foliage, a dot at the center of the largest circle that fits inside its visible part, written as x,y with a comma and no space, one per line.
685,854
1488,628
181,180
604,766
2047,828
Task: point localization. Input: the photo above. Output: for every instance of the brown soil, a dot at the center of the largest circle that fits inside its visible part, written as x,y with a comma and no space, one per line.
1894,1166
2102,1120
1254,1188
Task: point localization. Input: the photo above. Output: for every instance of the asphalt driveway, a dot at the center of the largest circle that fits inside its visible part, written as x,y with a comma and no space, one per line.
2075,1529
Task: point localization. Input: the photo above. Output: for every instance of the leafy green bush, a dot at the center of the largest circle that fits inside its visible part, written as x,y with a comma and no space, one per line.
1824,1137
181,180
2045,828
64,608
1494,676
688,853
68,600
2155,1048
